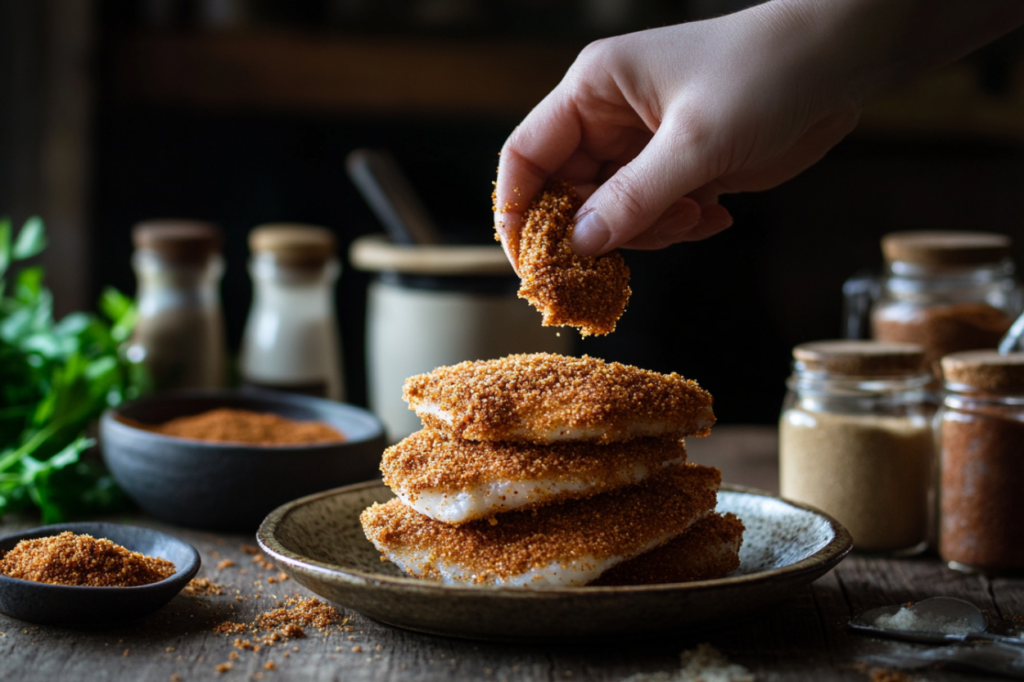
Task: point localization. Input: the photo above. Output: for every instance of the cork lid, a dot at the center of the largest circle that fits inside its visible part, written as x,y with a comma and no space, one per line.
945,248
861,358
986,370
178,239
294,243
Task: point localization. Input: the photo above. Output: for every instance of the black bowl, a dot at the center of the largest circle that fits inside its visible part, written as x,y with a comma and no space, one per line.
72,605
226,486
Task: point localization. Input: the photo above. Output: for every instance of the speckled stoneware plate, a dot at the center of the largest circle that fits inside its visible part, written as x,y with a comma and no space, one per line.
319,542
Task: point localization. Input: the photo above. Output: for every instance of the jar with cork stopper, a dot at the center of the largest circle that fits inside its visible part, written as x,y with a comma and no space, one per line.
179,336
855,440
291,340
948,291
981,433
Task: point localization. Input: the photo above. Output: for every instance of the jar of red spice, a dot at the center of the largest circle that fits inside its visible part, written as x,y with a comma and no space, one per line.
947,291
981,430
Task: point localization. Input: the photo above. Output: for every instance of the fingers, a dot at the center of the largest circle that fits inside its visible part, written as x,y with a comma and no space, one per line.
640,193
685,221
545,141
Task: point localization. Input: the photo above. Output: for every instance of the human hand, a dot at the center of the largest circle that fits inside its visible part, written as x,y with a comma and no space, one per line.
653,127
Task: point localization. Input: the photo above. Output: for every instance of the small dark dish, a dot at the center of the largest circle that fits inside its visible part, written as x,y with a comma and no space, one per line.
226,486
72,605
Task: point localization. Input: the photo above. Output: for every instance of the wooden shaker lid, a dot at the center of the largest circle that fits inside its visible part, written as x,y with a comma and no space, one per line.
178,239
985,370
294,243
861,358
946,248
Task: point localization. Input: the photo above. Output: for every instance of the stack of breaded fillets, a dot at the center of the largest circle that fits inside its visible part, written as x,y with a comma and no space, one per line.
548,471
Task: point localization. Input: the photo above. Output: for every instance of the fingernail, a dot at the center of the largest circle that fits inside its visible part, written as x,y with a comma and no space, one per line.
590,235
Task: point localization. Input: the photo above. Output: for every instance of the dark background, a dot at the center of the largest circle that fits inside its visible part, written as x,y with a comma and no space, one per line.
725,311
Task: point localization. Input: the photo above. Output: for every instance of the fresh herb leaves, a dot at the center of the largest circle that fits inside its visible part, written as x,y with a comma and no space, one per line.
56,378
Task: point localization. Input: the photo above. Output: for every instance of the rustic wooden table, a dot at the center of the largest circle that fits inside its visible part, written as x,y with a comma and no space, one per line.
802,639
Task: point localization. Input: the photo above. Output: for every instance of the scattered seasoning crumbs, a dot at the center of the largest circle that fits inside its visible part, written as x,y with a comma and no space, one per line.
202,587
227,563
84,561
230,628
379,647
175,678
270,665
357,649
249,549
126,653
233,655
223,668
170,648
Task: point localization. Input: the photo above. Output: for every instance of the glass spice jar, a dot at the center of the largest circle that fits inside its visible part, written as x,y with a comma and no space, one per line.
179,335
981,431
291,340
855,440
948,291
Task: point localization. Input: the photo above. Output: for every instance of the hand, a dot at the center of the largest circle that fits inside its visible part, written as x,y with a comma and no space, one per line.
653,127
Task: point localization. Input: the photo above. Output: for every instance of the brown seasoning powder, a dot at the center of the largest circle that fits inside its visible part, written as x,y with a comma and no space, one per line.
229,425
942,329
82,560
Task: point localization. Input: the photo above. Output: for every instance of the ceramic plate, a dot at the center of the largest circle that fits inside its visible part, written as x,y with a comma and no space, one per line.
319,542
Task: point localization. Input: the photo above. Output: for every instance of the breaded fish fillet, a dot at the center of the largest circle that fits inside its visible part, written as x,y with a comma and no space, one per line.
454,480
568,289
545,398
710,549
559,545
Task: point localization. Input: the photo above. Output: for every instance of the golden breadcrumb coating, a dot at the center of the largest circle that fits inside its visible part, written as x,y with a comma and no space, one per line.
426,460
568,289
618,523
709,550
545,397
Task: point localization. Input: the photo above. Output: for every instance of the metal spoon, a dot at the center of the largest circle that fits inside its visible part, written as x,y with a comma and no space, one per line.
1010,341
947,609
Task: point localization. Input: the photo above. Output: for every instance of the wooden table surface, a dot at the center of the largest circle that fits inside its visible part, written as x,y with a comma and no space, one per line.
802,639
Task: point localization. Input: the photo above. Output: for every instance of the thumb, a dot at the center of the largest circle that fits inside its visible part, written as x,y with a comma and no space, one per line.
639,193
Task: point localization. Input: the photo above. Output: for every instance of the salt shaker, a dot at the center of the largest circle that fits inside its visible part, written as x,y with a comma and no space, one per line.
179,336
291,340
981,431
855,440
948,291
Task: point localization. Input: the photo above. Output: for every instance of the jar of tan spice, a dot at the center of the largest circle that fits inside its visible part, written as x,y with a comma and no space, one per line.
855,440
981,431
948,291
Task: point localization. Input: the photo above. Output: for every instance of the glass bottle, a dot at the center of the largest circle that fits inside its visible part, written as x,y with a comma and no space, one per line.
855,440
948,291
981,430
179,336
291,341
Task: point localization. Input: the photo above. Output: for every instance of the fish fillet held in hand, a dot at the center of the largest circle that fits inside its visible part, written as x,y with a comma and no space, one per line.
709,550
589,292
546,398
456,480
559,545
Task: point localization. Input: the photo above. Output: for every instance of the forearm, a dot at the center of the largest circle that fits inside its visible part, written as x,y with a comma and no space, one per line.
873,46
